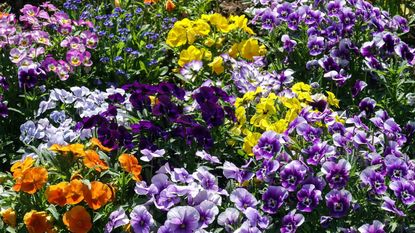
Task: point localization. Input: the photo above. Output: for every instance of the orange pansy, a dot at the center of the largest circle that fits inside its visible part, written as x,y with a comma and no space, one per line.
150,1
21,166
136,172
3,15
55,194
37,222
31,180
99,195
77,220
170,6
130,164
92,160
76,149
9,217
75,192
97,142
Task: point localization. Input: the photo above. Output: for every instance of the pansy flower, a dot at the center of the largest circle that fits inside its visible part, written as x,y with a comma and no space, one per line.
77,220
98,195
38,221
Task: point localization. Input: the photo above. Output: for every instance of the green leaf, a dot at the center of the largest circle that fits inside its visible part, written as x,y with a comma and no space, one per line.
164,70
143,66
393,226
53,211
97,217
10,229
16,110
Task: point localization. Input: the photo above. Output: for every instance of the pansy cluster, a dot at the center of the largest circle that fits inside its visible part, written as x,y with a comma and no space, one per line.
211,35
349,41
248,76
54,125
315,156
136,115
35,52
71,186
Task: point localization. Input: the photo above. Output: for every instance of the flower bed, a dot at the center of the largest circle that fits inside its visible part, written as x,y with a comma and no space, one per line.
169,116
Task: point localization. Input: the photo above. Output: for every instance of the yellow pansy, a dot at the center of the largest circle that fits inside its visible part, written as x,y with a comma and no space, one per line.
303,91
264,109
217,65
332,100
280,126
207,55
206,17
238,102
300,87
190,54
291,114
248,49
201,28
262,50
291,103
186,31
177,36
219,42
233,51
250,141
250,95
220,22
240,114
209,42
240,22
236,131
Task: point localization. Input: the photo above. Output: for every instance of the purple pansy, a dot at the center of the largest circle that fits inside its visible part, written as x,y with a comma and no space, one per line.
273,199
318,152
267,170
375,227
396,167
208,157
291,222
288,43
116,219
268,145
207,211
389,205
338,202
308,198
255,218
190,70
182,219
74,57
269,19
337,174
284,10
293,174
141,220
228,219
374,179
358,87
231,171
148,155
404,190
315,45
243,199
